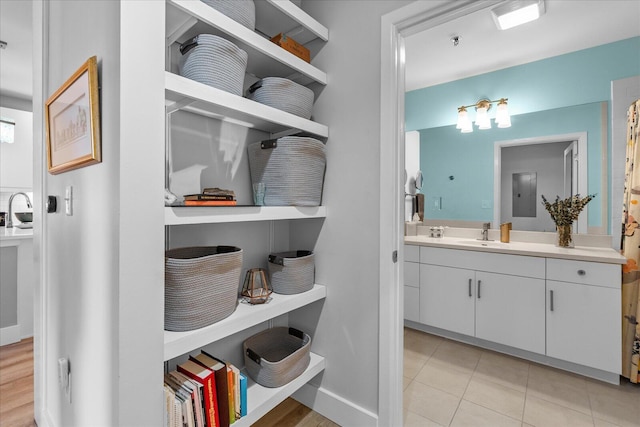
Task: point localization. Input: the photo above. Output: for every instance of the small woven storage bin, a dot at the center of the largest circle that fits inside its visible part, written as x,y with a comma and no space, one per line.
241,11
201,285
214,61
276,356
292,169
291,272
283,94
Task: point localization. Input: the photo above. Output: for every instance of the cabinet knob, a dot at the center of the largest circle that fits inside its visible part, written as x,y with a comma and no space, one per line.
581,272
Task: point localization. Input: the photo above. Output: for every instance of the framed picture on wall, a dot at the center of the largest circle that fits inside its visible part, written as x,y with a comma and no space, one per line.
73,121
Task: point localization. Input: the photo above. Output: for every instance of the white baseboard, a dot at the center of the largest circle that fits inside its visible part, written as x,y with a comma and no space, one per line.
9,335
334,407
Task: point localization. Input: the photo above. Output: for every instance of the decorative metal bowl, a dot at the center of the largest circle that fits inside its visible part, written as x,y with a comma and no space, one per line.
24,216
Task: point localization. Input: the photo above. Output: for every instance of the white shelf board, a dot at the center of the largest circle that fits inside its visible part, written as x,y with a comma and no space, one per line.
299,18
184,215
261,400
245,316
189,95
256,46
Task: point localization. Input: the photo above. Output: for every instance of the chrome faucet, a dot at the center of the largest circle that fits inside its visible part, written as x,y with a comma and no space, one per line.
485,230
9,222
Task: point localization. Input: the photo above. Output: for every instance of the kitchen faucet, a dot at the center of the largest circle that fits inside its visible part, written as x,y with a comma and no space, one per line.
9,222
485,230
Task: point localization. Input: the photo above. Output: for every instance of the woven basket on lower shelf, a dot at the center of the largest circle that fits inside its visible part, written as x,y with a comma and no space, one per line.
291,272
201,286
277,356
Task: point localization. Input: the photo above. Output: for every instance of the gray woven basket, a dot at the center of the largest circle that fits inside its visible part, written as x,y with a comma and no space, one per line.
201,285
242,11
283,94
276,356
292,169
214,61
291,272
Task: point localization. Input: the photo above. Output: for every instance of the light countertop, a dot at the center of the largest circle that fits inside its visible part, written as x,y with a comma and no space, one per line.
15,233
579,253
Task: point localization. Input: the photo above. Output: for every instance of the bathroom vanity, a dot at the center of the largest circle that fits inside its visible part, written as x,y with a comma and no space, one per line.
556,306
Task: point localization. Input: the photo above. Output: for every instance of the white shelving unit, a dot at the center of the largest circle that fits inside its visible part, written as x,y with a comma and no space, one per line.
245,316
188,18
185,19
225,214
189,95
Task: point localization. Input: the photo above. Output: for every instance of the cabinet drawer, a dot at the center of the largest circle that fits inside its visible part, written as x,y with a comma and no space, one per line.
412,304
412,274
584,272
515,265
412,253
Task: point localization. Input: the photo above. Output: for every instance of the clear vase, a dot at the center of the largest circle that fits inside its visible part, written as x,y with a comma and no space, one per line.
564,236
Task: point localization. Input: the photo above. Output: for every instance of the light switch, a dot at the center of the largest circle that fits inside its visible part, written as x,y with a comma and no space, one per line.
68,200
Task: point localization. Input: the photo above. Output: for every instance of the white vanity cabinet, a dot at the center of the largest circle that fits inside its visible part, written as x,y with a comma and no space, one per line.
412,283
583,313
494,297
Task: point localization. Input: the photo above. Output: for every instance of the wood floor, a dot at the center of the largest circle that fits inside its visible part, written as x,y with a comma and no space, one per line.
16,395
16,384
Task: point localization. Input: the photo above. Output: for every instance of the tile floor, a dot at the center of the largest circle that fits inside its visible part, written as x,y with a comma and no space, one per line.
447,383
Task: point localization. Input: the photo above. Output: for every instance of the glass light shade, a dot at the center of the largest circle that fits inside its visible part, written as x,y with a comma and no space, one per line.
482,118
464,122
503,120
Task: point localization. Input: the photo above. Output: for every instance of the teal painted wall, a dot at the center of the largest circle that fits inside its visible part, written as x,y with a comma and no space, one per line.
575,79
468,157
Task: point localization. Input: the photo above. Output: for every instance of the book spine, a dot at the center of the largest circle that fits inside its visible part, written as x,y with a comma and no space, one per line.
232,411
243,395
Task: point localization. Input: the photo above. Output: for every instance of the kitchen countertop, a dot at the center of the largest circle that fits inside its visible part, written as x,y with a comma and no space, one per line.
15,233
579,253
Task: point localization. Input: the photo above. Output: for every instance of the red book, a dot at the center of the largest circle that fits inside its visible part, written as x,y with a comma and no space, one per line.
220,369
206,377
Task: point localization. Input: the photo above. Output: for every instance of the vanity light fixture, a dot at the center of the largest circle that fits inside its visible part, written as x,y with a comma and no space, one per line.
503,120
517,12
7,130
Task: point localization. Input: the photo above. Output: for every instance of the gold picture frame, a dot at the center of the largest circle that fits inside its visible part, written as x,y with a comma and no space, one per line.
72,119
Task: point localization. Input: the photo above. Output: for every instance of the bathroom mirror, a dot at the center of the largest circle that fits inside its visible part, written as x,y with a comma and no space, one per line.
544,102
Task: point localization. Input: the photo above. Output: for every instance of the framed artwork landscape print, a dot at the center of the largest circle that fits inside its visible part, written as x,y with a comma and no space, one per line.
72,116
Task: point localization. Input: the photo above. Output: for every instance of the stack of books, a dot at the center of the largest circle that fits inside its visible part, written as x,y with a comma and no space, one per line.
211,197
204,391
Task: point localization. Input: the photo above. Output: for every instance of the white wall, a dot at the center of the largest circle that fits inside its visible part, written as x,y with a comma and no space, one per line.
16,160
547,161
81,250
347,249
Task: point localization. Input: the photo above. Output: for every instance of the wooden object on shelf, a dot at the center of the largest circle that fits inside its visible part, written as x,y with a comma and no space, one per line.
290,45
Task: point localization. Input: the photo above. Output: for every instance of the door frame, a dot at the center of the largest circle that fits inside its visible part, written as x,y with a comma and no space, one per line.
580,137
395,26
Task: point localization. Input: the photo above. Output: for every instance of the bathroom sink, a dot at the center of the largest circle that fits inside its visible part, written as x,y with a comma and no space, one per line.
483,243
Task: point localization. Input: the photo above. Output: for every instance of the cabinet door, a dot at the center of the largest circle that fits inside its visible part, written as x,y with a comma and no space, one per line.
510,310
412,303
447,298
583,324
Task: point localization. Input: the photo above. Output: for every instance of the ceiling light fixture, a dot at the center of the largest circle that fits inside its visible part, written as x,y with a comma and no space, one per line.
503,120
517,12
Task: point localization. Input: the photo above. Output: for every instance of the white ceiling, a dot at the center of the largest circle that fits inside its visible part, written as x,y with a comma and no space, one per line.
567,26
15,60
